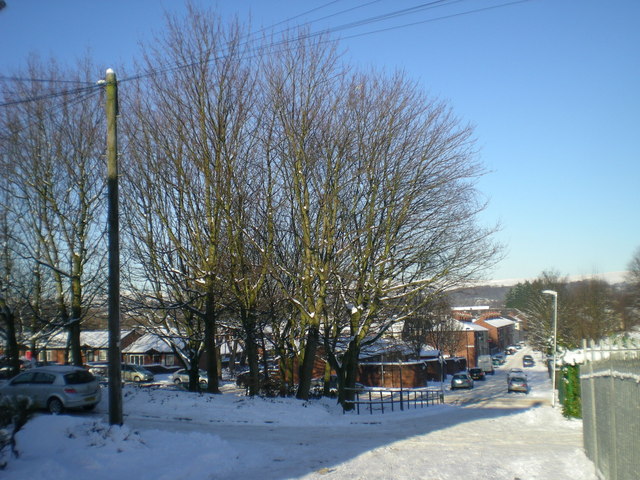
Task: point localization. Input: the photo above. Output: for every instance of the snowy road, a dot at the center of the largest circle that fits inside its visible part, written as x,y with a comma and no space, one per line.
485,432
171,434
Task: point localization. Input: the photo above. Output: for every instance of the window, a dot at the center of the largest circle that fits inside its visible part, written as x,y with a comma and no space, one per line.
78,377
170,360
136,359
44,378
23,378
102,355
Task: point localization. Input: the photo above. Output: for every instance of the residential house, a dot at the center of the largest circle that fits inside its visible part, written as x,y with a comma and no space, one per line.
150,349
474,341
501,331
94,345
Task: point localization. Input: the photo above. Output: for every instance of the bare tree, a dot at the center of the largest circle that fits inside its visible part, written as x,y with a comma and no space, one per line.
54,146
431,324
302,81
409,212
191,143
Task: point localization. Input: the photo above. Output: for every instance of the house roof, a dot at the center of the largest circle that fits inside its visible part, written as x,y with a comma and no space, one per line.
500,322
88,338
149,341
467,326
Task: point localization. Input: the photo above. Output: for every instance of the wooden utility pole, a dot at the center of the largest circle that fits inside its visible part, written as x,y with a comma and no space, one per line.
115,375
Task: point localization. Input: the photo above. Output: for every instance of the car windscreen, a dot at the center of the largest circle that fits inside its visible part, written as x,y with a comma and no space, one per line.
77,377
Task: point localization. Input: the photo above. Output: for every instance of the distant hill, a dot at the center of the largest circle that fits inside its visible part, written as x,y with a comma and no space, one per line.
494,292
492,296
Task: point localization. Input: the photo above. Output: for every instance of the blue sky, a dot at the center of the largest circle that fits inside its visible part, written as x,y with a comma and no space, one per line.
551,86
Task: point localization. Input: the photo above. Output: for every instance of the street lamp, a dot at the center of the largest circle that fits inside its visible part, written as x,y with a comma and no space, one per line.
555,338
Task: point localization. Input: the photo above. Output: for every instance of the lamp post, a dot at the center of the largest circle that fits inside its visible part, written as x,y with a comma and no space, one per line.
555,339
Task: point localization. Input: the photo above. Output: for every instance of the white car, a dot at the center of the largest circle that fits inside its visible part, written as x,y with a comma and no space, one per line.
55,387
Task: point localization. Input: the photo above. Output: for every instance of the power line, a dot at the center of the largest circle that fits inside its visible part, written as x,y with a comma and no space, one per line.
374,19
43,80
50,95
444,17
346,26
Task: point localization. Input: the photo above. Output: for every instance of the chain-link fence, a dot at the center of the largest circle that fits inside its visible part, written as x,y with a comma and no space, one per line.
610,385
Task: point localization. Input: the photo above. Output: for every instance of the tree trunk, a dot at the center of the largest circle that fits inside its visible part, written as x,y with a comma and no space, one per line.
210,344
349,374
306,369
12,344
251,349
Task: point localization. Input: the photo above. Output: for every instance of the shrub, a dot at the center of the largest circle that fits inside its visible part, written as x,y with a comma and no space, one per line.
15,412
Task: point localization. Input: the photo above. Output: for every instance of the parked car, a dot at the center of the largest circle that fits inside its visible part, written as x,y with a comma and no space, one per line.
182,376
136,373
158,369
56,387
100,371
461,380
527,361
510,350
477,373
499,357
517,384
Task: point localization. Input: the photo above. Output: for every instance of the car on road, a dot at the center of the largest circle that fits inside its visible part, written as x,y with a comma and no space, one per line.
182,376
461,380
476,373
517,383
498,359
517,372
56,388
527,361
136,373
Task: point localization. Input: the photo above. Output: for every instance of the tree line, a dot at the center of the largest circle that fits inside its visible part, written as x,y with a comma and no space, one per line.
270,193
589,309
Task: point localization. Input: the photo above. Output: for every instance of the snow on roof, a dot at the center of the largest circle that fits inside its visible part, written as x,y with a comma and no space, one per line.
88,338
150,341
384,345
429,351
467,326
500,322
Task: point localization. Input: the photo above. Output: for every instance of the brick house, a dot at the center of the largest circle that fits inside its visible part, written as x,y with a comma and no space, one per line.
150,349
474,341
501,331
94,345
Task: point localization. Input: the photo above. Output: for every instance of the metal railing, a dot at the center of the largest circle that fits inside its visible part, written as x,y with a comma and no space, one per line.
610,388
379,399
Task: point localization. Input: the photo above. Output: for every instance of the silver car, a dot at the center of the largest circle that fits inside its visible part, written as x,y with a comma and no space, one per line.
461,380
136,373
518,384
182,376
56,388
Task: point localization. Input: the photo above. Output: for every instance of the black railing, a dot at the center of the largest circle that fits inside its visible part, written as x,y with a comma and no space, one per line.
377,399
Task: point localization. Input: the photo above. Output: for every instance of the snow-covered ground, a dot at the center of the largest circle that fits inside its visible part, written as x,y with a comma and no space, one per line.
173,434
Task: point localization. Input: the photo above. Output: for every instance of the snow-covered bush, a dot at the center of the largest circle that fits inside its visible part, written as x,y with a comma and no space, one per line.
14,414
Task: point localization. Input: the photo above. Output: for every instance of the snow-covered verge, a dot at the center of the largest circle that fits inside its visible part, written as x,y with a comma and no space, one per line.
173,434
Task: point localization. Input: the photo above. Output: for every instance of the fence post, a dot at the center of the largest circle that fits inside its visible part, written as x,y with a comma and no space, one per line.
614,430
592,402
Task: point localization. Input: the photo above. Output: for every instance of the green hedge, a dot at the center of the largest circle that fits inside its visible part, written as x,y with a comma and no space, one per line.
569,391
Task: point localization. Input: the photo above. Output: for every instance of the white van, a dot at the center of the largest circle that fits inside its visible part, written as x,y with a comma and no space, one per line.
486,364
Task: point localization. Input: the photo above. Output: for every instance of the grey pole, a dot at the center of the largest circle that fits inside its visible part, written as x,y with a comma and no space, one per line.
115,381
555,342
